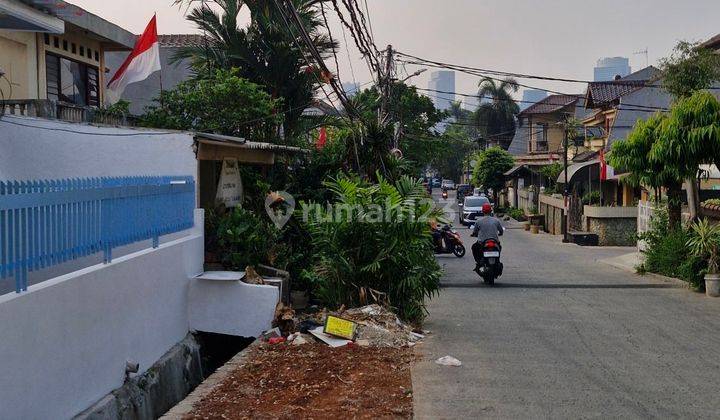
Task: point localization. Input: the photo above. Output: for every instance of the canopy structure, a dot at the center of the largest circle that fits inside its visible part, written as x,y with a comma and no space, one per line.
576,170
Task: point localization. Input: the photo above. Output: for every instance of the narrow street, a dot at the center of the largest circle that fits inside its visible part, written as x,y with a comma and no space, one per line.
563,333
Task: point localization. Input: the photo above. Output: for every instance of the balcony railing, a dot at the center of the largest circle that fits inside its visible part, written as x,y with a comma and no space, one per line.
64,111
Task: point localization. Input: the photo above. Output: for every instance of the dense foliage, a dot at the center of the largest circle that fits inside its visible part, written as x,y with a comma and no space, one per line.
265,51
490,167
219,102
380,252
689,69
667,251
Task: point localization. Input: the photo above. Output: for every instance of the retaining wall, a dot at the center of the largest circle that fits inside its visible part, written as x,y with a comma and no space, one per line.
615,226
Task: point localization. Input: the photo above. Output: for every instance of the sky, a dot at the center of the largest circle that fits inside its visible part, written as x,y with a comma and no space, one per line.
558,38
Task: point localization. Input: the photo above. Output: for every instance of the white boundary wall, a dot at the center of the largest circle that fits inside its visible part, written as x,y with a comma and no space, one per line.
43,151
64,342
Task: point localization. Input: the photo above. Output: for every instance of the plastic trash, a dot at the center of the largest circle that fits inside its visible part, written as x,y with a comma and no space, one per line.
448,361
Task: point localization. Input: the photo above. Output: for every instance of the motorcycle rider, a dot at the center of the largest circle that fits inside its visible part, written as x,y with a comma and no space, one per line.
487,227
436,234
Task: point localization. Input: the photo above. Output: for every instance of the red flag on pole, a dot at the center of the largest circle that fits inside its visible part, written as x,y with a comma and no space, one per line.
142,61
322,138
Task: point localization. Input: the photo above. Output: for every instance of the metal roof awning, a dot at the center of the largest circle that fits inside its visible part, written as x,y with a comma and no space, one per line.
514,170
573,170
218,147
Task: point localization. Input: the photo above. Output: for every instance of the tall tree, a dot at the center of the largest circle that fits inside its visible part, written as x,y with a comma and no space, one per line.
490,167
634,155
690,69
496,120
268,51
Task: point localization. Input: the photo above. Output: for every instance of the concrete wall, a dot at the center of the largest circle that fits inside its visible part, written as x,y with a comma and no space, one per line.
553,210
18,60
53,149
65,341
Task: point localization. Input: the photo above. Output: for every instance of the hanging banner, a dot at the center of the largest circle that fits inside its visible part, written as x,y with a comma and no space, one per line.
230,189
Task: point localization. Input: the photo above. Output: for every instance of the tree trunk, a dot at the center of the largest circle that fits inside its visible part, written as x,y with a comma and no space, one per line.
693,198
674,194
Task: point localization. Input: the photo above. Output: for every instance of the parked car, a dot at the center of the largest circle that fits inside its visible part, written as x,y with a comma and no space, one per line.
448,184
436,183
478,191
471,209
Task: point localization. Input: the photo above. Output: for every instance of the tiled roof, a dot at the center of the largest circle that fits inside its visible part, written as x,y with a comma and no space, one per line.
550,104
602,93
713,43
180,40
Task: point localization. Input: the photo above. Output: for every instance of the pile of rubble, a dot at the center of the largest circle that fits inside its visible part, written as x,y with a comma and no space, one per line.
372,326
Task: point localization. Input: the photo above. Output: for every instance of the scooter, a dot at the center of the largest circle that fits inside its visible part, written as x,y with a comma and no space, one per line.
450,242
487,260
444,195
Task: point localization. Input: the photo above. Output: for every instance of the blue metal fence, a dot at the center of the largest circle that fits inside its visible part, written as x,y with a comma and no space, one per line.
44,223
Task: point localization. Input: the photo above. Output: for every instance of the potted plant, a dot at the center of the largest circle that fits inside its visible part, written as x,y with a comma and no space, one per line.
705,243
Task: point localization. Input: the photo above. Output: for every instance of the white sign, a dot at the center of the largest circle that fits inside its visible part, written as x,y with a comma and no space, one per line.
230,189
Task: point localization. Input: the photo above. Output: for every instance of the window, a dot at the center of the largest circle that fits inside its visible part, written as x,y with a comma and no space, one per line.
541,138
71,81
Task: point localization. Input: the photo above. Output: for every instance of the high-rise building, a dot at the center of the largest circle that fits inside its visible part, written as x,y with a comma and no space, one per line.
609,67
530,96
442,80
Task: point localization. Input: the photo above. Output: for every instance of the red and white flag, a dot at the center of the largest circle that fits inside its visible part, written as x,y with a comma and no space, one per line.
141,63
322,138
606,171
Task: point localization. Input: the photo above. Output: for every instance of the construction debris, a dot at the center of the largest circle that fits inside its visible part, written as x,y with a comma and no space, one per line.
380,327
284,319
329,339
252,276
448,361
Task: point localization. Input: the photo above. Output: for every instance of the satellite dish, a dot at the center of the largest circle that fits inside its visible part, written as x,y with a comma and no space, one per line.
396,152
473,163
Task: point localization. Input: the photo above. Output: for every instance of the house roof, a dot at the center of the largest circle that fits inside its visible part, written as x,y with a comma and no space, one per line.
113,36
181,40
550,104
519,144
712,43
603,93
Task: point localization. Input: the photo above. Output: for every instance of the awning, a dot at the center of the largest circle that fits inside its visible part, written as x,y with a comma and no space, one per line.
218,147
514,170
572,170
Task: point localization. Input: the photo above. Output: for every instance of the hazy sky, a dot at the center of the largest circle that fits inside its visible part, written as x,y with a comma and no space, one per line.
562,38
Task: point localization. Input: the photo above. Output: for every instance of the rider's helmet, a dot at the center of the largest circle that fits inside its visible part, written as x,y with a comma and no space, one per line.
487,209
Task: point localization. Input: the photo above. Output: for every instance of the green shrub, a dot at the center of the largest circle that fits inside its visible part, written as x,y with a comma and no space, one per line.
516,213
591,198
360,260
243,239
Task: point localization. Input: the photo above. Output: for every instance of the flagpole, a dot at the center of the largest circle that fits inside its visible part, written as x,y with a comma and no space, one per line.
162,101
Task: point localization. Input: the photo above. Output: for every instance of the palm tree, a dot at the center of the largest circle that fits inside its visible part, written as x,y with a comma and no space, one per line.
268,51
496,119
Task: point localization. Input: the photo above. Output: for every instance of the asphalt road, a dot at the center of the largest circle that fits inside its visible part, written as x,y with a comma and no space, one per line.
563,335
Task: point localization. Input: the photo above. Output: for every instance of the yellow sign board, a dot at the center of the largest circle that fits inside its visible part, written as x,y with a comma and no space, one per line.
340,327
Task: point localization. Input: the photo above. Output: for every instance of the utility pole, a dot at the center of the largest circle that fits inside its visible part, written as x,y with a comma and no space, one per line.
566,190
386,80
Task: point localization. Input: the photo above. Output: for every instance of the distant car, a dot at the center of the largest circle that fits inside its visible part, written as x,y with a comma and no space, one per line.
462,191
472,209
436,183
478,192
448,184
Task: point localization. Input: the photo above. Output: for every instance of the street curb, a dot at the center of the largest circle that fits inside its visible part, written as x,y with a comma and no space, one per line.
184,407
677,282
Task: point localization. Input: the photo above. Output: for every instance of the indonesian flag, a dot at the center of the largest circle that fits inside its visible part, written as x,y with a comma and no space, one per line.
141,63
606,171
